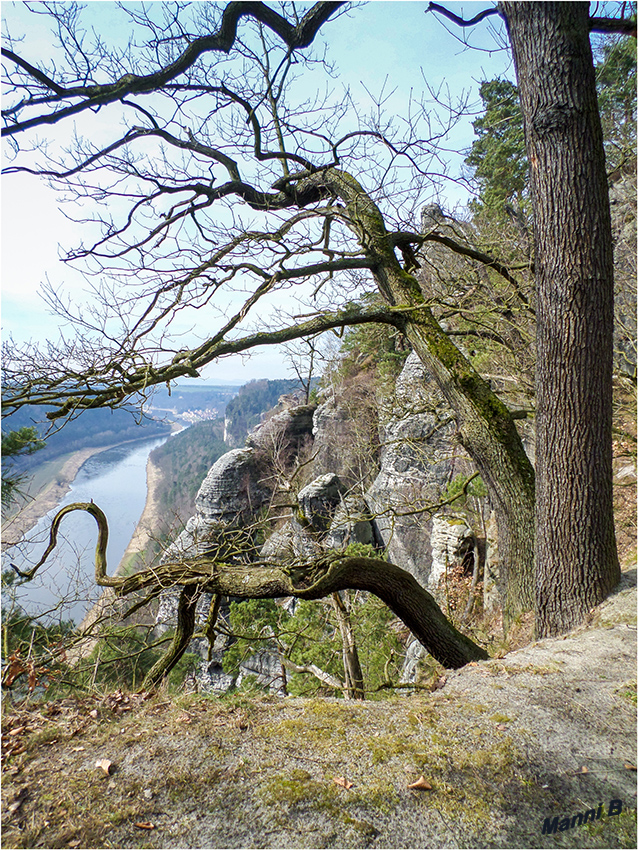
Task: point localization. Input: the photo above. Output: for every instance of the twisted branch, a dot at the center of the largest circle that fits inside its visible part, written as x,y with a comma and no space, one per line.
263,580
295,37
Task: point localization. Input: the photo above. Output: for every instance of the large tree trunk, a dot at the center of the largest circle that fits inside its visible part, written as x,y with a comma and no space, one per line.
488,433
576,558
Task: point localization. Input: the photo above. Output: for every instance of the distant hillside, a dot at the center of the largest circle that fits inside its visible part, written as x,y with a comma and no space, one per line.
184,461
252,400
102,427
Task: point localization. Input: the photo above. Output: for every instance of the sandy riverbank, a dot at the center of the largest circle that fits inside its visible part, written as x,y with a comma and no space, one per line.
142,536
48,497
51,482
147,526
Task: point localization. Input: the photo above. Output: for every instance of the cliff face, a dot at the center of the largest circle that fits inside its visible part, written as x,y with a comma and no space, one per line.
334,478
420,458
244,411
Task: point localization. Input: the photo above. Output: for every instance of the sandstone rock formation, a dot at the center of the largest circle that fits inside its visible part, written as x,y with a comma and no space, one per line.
418,459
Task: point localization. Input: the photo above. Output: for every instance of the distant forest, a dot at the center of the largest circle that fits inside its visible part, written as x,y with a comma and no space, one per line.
100,427
184,461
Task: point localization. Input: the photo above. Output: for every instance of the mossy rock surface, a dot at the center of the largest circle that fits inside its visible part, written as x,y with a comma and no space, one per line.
546,731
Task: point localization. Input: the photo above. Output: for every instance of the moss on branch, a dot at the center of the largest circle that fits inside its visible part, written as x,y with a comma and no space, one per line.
313,580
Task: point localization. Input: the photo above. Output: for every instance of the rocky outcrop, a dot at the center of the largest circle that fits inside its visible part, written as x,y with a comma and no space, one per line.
238,486
253,402
318,501
243,480
345,432
230,495
286,432
351,523
326,520
419,458
451,540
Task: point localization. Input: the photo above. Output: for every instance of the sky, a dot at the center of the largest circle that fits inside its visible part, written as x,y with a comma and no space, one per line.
380,44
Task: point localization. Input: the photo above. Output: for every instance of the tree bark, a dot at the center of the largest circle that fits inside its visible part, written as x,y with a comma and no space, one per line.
576,558
184,628
316,580
351,664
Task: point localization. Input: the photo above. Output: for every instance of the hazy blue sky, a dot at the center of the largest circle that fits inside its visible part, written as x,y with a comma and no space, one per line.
394,43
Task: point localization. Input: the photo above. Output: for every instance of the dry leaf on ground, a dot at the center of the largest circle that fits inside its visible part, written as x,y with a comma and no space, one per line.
421,784
144,825
342,782
105,764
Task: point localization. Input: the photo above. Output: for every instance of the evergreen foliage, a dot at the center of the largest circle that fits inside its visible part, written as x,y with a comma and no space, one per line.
23,441
311,636
124,656
498,152
381,346
616,83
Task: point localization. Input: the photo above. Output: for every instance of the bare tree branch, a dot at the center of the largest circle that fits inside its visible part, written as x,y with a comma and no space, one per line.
436,7
261,580
100,391
295,37
625,26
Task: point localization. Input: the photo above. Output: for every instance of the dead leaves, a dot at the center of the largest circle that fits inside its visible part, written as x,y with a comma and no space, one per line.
17,666
15,728
421,784
105,765
144,825
18,800
342,782
119,702
184,717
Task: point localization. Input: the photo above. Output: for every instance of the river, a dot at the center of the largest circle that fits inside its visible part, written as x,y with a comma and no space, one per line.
65,585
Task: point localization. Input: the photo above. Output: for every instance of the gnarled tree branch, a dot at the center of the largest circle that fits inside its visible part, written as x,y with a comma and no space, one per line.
295,37
262,580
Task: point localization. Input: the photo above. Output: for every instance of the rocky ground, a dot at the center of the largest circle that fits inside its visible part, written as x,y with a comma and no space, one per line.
546,731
